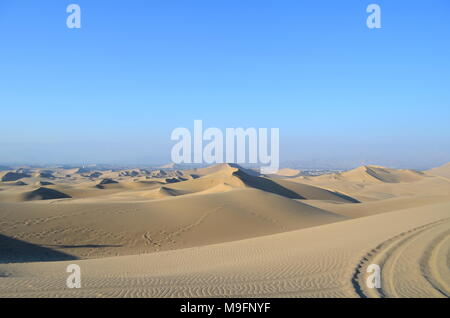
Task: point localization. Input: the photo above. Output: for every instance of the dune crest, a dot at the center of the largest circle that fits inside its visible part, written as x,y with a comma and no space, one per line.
287,172
442,171
380,174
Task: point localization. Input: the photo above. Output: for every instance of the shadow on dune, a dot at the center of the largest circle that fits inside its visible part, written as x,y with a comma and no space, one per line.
249,172
315,193
84,246
45,194
266,185
16,251
14,176
106,181
345,197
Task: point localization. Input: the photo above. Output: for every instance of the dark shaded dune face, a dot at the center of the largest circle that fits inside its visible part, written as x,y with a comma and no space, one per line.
45,194
108,181
266,185
13,250
95,175
394,176
159,174
105,182
290,189
174,180
172,192
249,172
47,175
14,176
309,192
44,183
20,183
128,173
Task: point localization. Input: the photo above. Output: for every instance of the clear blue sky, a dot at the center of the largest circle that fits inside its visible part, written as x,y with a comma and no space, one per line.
113,91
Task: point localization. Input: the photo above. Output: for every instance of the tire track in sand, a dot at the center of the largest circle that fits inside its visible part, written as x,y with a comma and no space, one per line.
415,262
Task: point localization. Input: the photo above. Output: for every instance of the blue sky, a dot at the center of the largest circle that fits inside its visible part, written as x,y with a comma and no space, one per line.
112,91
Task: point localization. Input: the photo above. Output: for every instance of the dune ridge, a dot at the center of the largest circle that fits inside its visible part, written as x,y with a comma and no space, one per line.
443,171
373,173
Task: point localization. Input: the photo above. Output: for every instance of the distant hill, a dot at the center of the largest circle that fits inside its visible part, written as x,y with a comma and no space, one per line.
379,174
442,171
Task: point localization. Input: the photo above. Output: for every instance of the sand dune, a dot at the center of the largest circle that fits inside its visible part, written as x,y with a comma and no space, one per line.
226,177
377,174
224,231
443,171
46,183
362,186
106,181
287,172
150,226
309,192
14,176
45,194
46,174
19,183
220,168
222,175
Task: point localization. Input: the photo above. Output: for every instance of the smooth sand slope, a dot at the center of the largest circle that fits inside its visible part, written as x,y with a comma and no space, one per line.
223,231
443,171
410,245
95,229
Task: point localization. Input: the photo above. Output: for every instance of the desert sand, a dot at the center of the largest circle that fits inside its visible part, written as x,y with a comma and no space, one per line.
224,231
443,171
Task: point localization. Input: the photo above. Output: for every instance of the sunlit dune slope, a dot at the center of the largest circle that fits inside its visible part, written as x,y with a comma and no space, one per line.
443,171
139,227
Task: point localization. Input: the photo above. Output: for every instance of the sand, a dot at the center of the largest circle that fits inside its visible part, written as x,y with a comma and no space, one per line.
287,172
443,171
224,231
